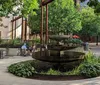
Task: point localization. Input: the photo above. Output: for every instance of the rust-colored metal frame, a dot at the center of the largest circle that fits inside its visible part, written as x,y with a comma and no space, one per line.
44,3
24,28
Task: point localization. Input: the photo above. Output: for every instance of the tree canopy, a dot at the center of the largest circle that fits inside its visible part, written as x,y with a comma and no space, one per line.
94,4
90,22
19,7
34,22
63,17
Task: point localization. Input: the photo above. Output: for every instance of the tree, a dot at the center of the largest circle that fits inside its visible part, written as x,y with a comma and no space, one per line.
94,4
77,4
90,23
97,26
19,7
34,22
63,17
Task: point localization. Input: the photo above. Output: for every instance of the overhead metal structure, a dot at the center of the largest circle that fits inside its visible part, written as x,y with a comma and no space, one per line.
44,3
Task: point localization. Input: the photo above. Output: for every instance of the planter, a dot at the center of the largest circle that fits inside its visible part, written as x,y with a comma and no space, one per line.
10,51
10,46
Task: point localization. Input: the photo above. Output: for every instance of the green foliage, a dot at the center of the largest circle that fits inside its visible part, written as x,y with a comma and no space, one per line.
0,40
23,69
28,7
91,58
17,7
93,3
99,59
36,40
91,66
97,9
75,71
82,0
12,43
90,22
6,6
90,69
51,72
16,41
63,17
34,22
73,41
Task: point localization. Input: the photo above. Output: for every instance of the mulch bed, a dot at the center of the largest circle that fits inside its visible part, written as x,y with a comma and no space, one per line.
57,77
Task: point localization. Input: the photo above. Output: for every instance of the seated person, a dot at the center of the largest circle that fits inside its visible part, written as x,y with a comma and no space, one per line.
24,49
32,48
24,46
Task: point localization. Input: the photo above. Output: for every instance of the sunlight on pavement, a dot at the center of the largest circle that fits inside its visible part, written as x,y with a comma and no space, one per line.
2,62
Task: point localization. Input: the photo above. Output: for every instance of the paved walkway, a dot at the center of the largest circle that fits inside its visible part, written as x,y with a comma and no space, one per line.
9,79
95,49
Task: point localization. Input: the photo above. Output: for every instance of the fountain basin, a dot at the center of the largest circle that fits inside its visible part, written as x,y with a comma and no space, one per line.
58,56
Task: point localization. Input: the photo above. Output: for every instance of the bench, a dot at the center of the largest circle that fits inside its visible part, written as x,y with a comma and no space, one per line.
23,52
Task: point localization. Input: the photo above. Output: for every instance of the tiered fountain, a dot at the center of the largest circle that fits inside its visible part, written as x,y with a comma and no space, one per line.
57,54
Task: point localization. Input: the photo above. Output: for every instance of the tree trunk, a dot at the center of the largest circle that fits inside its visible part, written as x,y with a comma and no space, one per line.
77,4
97,40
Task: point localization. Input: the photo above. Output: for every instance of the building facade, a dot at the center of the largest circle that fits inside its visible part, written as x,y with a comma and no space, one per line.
14,27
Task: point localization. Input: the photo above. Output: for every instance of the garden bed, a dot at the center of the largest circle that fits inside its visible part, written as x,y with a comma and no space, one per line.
57,77
32,69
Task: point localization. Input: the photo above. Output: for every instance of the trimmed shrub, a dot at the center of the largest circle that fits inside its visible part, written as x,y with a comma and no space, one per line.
90,70
22,69
91,66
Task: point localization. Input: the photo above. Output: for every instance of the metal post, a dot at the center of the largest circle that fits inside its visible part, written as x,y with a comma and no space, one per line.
47,24
41,29
15,30
25,28
12,29
22,30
